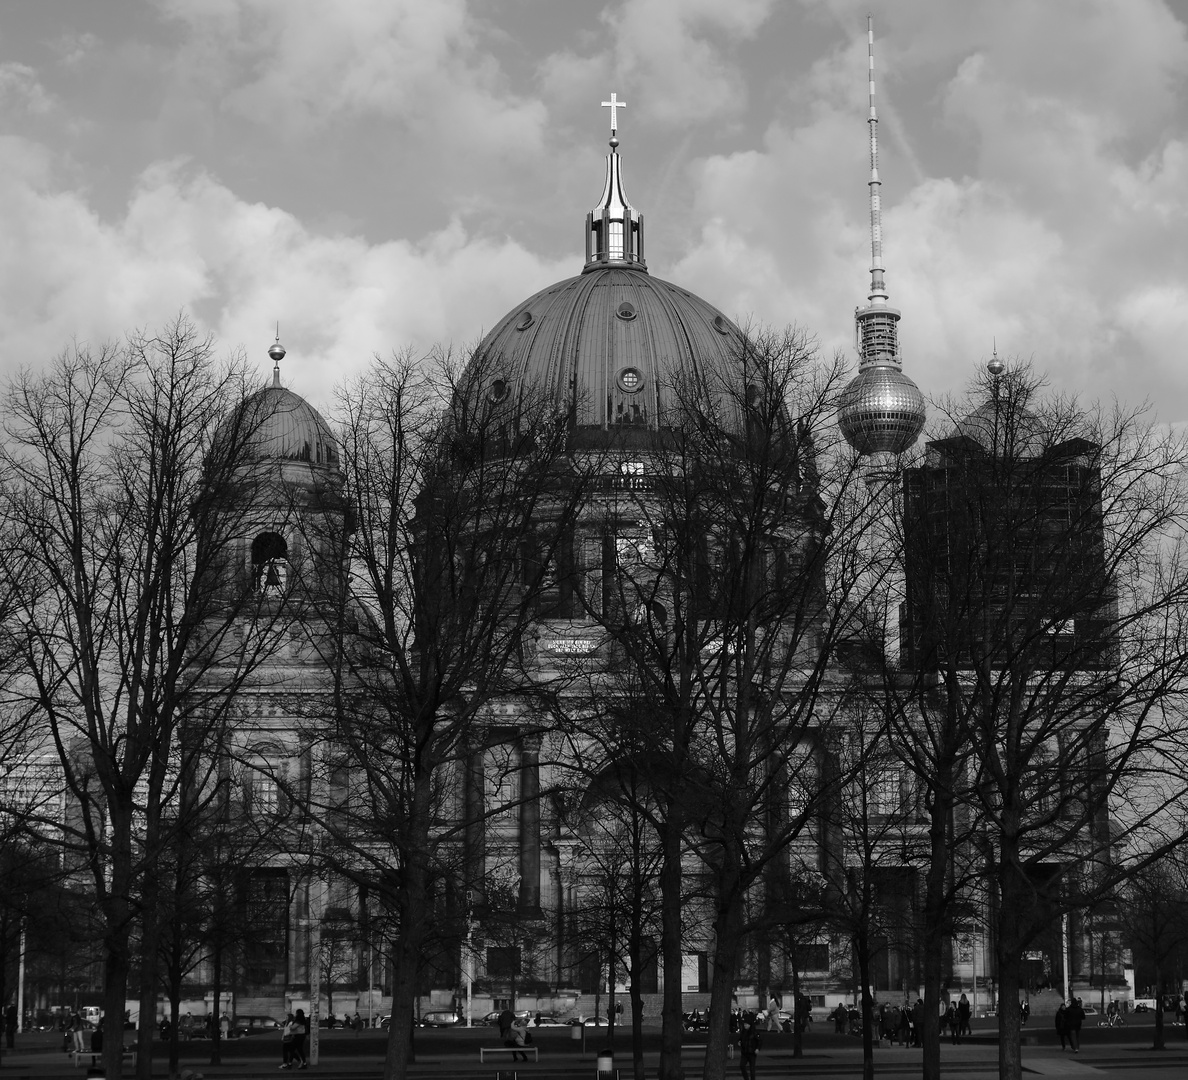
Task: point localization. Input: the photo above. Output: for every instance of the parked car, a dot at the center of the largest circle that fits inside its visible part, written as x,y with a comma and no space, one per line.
437,1019
546,1020
588,1021
254,1024
492,1018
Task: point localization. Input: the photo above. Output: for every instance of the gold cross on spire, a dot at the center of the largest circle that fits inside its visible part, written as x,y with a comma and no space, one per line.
614,104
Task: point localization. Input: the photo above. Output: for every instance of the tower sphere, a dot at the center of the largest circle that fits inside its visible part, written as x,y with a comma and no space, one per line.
882,410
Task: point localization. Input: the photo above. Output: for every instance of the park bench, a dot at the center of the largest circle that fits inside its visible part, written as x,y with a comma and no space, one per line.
94,1057
485,1050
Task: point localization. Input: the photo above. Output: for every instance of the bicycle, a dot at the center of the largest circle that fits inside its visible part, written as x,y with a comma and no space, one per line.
1112,1020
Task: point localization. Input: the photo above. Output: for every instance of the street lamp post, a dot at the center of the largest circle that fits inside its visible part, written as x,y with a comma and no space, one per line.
468,958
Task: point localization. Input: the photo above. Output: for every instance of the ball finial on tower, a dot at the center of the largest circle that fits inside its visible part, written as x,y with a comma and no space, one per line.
277,351
995,366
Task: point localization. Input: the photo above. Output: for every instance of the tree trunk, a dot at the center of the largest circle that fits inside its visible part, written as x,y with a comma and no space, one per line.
117,913
174,1017
672,1023
635,953
864,1003
1159,1043
150,940
798,1021
727,943
216,990
1010,1026
936,928
412,903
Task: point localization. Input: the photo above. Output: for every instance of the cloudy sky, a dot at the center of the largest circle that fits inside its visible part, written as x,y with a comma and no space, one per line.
378,174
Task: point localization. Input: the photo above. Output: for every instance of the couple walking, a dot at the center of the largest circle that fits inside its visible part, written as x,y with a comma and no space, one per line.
293,1034
1069,1019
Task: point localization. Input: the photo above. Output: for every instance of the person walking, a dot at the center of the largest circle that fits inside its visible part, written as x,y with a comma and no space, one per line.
518,1037
288,1036
1076,1017
748,1046
506,1019
963,1016
300,1038
918,1022
951,1022
10,1025
773,1013
1062,1025
78,1028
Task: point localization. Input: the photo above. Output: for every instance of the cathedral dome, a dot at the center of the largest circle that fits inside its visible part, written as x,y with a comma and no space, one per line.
289,428
612,347
279,425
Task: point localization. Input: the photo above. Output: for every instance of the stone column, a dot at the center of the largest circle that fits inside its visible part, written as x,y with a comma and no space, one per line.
530,824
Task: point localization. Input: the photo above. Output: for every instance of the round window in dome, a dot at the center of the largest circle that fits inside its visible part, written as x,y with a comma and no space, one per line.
630,380
497,391
721,325
525,320
625,311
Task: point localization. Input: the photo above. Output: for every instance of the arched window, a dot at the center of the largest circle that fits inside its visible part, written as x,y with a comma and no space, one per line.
269,565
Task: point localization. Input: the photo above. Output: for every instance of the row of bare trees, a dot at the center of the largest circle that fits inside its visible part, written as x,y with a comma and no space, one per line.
697,630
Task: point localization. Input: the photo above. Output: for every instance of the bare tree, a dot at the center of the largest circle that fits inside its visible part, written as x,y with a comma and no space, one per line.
460,490
1045,630
615,917
119,465
727,566
1154,917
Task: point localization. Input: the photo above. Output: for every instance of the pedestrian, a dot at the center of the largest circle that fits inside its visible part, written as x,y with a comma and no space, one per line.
951,1022
519,1037
300,1038
10,1025
225,1025
963,1012
917,1022
78,1028
839,1019
1025,1010
773,1012
748,1046
1062,1025
358,1022
1076,1017
288,1038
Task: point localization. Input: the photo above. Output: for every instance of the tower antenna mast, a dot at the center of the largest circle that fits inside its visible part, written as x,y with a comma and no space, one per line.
878,290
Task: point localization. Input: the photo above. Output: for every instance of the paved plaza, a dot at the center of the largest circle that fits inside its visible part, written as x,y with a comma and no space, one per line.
454,1053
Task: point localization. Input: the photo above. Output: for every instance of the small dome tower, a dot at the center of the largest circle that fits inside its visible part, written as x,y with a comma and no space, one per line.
882,410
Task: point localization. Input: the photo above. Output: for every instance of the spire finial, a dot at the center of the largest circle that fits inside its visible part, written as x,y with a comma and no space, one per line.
277,351
996,367
614,105
614,228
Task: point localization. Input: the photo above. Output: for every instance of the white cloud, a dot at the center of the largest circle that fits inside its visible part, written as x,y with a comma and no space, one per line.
21,90
188,243
302,65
